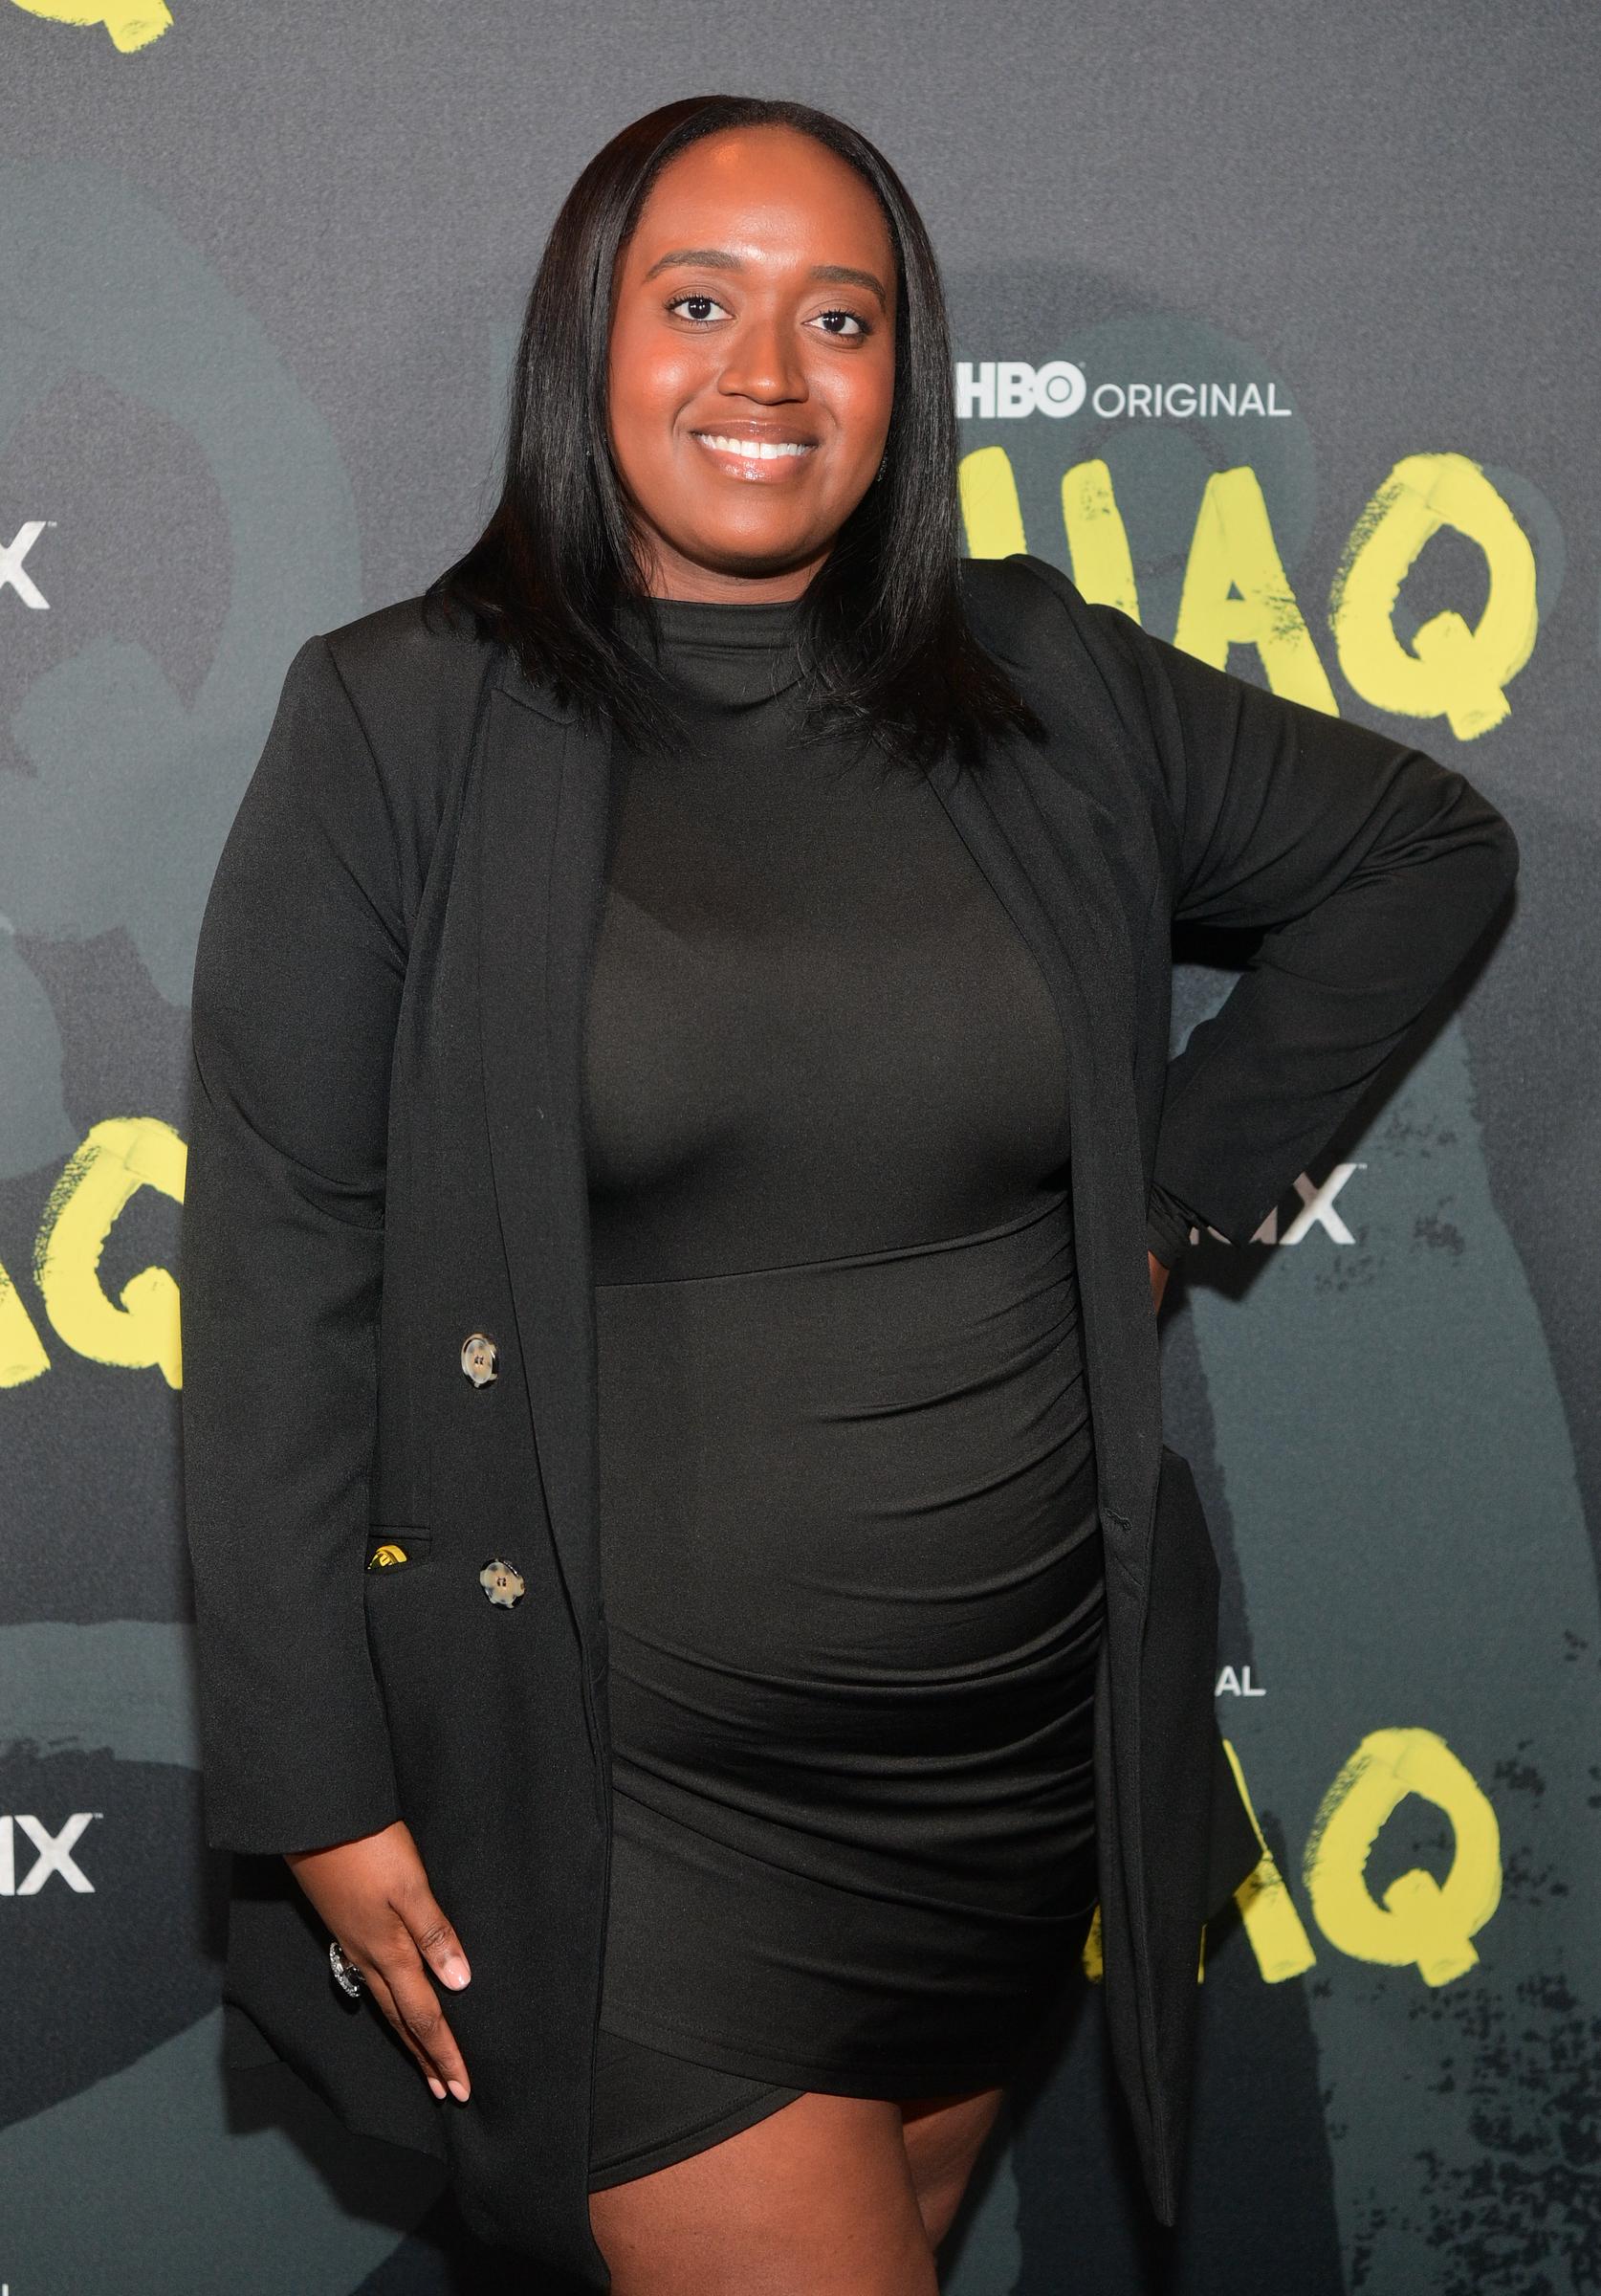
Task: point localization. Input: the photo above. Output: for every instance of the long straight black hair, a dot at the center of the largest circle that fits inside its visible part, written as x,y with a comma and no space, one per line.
884,642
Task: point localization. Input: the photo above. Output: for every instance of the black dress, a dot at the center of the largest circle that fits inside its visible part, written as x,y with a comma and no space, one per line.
851,1564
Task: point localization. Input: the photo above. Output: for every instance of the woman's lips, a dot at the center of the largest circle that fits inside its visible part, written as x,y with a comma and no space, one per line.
760,458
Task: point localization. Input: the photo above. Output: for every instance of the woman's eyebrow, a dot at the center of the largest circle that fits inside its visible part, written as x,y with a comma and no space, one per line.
719,258
843,275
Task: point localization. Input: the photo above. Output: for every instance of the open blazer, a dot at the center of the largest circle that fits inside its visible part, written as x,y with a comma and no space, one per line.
386,1156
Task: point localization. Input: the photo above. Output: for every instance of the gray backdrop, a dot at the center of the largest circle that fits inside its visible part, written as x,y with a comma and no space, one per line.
261,270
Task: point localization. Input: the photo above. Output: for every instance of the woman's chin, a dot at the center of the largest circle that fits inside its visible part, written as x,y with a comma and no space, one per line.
744,556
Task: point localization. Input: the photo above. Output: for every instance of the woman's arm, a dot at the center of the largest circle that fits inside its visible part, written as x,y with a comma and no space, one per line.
1370,869
297,980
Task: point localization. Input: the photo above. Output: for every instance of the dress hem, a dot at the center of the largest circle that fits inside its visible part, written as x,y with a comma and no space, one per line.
895,2078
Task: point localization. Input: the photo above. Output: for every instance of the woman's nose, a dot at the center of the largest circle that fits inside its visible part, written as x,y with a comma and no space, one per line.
764,363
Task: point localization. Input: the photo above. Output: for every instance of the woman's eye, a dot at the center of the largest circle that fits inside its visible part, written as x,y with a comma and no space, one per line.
697,307
845,326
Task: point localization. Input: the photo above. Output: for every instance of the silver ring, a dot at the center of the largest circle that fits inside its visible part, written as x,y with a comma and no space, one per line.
345,1973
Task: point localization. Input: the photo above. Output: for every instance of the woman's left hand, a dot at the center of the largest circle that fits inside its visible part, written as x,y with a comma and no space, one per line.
1158,1279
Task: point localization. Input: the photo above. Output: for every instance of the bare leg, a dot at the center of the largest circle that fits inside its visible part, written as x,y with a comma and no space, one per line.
943,2136
818,2200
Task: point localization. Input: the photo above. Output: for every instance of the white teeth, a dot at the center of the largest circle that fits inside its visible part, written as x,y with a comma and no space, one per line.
754,449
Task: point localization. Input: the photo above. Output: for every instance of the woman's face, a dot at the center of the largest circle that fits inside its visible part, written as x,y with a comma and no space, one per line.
752,363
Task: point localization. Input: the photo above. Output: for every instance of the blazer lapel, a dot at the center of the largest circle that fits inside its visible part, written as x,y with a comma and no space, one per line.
1044,858
544,818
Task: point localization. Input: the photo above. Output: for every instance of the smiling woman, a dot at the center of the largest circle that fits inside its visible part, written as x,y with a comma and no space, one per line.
683,1139
821,2006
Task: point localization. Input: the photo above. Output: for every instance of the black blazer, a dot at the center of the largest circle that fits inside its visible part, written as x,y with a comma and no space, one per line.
387,1156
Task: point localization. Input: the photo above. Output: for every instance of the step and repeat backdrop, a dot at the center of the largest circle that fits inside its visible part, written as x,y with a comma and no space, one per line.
1276,328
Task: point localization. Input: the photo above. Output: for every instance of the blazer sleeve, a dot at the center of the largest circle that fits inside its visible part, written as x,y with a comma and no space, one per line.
1167,1225
299,974
1370,872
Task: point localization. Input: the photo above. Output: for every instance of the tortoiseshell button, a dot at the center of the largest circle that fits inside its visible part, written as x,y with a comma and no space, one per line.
501,1583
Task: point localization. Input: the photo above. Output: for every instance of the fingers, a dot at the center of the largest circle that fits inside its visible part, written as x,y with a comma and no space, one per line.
422,2021
384,1999
397,1973
399,1981
435,1937
373,1893
438,1948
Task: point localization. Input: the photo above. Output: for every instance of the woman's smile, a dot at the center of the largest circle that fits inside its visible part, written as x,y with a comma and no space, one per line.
748,452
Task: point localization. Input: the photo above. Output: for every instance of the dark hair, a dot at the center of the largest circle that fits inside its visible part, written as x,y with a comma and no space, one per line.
883,637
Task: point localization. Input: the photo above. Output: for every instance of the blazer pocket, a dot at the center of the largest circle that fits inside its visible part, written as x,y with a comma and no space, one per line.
394,1549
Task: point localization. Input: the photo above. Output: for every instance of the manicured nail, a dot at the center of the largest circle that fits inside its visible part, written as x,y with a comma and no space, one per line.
456,1971
458,2090
437,2085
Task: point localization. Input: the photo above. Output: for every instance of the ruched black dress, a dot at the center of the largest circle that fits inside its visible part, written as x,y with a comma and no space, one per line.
851,1564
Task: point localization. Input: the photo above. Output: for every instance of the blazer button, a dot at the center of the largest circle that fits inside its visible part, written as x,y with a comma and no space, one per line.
479,1358
501,1583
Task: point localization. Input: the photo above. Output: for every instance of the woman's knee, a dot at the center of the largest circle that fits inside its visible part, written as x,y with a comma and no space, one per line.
816,2199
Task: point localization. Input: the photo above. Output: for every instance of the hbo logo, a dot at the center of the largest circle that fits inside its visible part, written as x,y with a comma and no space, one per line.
998,388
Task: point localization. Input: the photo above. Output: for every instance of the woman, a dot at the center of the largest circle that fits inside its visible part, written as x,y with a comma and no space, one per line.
681,1092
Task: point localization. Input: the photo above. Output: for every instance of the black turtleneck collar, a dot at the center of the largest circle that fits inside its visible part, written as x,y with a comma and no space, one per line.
729,656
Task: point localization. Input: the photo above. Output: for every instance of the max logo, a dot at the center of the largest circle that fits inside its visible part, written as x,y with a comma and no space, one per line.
131,24
54,1855
13,574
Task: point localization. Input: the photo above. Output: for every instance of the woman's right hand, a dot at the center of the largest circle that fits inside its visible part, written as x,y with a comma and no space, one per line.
373,1894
